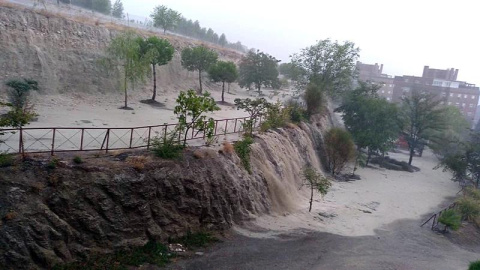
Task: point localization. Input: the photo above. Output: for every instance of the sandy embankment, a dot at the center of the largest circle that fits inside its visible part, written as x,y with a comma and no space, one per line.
360,207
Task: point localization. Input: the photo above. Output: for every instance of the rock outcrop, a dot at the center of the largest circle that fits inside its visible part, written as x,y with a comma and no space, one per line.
51,216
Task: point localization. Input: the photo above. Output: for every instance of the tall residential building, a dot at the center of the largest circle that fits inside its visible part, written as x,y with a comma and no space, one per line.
444,84
374,73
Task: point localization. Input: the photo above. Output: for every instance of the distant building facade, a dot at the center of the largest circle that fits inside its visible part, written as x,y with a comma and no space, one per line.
374,73
444,84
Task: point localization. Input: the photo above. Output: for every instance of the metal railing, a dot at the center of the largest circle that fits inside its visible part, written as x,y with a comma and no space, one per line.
67,139
436,216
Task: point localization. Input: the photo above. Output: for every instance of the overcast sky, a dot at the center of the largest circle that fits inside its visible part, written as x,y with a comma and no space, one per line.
404,36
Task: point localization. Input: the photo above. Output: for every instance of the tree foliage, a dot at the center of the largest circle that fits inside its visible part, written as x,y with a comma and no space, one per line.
198,58
255,108
258,69
371,120
224,72
191,112
329,65
315,181
419,117
165,17
290,71
117,9
314,99
125,51
157,52
339,148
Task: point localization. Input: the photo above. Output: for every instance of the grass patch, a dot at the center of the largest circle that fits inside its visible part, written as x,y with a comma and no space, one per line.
451,219
77,160
243,148
469,207
195,240
52,164
166,148
152,253
474,266
6,160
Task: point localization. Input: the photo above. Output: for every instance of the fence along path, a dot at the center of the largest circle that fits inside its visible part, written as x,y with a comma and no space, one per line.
66,139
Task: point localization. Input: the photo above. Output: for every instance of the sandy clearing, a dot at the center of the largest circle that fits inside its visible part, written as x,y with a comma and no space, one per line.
359,208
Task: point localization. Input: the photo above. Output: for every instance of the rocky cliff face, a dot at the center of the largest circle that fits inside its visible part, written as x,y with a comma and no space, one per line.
58,215
63,54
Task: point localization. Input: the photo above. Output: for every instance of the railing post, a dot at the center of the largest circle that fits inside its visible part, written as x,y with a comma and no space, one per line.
226,126
108,139
235,126
149,134
216,125
131,137
433,223
81,139
53,141
20,141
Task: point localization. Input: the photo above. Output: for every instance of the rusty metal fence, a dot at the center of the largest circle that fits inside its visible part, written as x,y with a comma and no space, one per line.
434,218
66,139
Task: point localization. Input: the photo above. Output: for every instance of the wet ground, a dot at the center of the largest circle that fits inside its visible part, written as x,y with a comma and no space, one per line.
402,245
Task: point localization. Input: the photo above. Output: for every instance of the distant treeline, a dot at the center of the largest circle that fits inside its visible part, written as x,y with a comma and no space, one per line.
183,26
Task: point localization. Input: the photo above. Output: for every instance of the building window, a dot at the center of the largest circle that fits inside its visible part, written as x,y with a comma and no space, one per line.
388,99
451,94
459,95
473,97
449,103
471,105
444,94
463,105
465,96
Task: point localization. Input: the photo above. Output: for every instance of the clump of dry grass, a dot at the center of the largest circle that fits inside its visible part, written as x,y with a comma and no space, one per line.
10,215
137,162
198,154
291,125
227,148
37,187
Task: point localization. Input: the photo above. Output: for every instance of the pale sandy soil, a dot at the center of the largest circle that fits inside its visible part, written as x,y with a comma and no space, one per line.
360,207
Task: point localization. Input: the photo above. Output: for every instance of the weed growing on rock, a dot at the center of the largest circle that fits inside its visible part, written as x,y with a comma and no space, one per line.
77,160
52,164
6,160
166,147
195,240
243,148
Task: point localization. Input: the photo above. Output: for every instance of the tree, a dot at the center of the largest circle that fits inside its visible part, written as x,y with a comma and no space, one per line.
198,58
191,111
158,52
222,41
165,17
339,148
255,108
125,50
102,6
315,181
259,69
314,99
290,71
224,72
117,10
371,120
419,116
329,65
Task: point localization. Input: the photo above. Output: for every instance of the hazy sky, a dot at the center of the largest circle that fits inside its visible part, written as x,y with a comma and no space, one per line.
404,36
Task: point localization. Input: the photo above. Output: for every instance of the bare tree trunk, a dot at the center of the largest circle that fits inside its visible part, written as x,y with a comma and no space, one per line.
154,83
223,91
200,80
311,198
228,91
412,151
125,89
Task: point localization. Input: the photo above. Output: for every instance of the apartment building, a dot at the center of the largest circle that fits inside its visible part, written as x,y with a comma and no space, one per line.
374,73
444,84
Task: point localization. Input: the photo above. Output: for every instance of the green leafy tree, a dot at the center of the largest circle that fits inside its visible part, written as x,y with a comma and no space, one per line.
102,6
165,17
314,99
191,109
290,71
158,52
125,50
371,120
329,65
315,181
224,72
200,59
258,69
222,41
117,9
339,148
255,108
19,91
419,117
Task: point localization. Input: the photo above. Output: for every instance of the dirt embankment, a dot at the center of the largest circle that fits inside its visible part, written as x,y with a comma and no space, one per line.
62,53
62,214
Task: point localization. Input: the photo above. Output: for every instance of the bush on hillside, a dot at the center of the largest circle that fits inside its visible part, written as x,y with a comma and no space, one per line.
276,117
167,147
469,208
339,148
474,265
451,219
243,148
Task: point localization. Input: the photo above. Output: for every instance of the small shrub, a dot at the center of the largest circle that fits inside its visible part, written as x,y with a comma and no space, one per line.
6,160
314,99
227,148
52,164
469,208
195,240
474,266
340,149
451,219
136,162
77,160
243,148
297,112
38,187
53,180
166,147
198,154
473,193
276,117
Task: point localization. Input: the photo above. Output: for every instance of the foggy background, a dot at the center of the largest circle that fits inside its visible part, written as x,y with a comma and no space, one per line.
403,35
